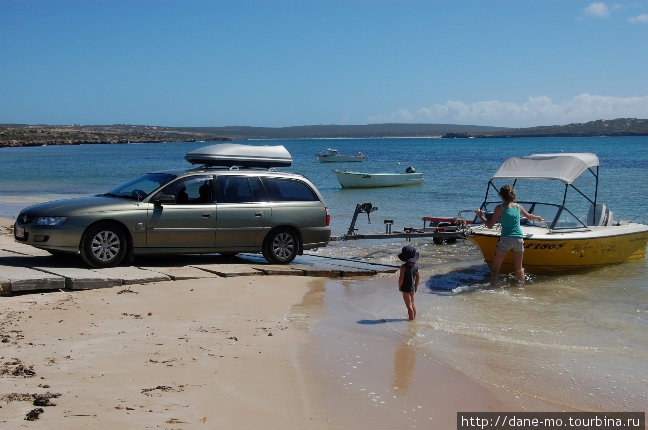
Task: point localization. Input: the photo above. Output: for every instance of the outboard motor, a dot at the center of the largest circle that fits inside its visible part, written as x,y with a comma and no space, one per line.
410,169
599,215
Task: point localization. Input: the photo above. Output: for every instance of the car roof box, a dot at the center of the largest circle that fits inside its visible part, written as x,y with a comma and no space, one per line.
234,154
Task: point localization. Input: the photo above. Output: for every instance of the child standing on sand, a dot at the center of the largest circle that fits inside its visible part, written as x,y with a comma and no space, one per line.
408,279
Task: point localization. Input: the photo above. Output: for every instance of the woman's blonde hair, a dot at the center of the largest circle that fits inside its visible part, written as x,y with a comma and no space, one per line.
508,193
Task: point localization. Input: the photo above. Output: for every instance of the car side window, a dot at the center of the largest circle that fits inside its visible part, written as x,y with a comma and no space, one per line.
289,190
258,192
234,189
191,191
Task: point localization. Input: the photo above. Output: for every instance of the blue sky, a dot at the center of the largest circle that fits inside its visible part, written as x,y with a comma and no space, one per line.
515,63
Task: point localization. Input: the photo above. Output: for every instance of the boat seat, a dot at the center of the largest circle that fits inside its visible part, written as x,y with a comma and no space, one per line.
599,215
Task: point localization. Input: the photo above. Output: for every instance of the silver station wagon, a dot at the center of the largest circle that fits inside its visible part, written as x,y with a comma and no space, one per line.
234,202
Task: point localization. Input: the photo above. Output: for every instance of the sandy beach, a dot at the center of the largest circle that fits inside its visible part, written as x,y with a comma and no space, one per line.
229,353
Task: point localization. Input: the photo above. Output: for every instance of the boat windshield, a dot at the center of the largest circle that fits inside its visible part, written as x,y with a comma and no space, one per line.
141,187
555,216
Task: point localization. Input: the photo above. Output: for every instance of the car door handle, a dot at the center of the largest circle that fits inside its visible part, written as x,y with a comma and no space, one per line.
205,215
258,214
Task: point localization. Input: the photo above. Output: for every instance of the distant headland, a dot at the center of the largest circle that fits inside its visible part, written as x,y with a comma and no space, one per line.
37,135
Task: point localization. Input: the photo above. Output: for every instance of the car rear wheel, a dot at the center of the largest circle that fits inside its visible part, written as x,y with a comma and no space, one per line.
103,245
281,247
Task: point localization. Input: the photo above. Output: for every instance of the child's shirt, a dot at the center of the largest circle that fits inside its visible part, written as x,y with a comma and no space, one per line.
409,278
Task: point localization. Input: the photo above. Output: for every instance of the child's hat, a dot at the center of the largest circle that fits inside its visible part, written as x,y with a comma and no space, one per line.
409,254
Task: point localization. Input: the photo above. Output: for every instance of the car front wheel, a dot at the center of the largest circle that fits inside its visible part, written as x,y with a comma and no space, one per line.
281,247
103,245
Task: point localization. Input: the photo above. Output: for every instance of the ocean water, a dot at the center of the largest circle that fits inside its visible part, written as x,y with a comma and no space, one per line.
576,340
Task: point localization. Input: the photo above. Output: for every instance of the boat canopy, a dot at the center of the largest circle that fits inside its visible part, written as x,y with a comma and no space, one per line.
564,167
234,154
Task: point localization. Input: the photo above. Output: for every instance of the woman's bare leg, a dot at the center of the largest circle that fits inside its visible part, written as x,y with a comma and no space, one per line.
517,264
497,265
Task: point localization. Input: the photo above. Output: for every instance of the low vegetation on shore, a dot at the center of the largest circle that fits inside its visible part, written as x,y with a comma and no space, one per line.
37,135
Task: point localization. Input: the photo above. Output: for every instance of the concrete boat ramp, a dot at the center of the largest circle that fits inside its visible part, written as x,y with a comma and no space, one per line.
24,268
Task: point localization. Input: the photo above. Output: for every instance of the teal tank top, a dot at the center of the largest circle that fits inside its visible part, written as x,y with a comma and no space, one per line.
510,222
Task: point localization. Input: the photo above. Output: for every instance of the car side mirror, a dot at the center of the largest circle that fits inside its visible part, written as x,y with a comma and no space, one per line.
164,199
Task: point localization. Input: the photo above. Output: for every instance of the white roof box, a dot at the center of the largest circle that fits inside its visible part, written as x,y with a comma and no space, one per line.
234,154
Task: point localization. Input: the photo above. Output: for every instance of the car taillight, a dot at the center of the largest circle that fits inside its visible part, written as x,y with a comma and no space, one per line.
328,216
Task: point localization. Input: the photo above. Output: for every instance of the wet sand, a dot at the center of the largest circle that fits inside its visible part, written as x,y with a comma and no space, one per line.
231,353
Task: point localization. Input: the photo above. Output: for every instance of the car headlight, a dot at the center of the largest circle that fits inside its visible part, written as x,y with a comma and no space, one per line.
50,220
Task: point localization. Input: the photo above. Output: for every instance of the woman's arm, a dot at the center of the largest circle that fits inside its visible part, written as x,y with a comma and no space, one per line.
493,220
400,277
528,215
416,281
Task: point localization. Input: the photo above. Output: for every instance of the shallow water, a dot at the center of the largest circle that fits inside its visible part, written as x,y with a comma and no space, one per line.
574,341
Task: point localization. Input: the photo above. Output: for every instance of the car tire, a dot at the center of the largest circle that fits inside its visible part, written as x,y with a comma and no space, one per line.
281,247
104,245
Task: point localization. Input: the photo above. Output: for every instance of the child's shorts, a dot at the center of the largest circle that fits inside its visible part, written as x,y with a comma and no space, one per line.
515,244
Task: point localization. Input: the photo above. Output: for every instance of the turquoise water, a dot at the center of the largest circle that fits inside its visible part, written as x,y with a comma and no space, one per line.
577,340
456,172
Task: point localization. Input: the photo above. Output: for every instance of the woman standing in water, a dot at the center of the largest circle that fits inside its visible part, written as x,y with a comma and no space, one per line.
511,238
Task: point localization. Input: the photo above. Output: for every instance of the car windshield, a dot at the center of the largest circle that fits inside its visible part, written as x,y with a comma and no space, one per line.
139,188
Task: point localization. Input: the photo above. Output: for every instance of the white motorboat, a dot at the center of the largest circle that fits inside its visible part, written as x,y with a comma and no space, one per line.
330,155
351,179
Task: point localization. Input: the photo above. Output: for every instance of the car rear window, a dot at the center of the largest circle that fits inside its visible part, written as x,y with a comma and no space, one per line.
289,190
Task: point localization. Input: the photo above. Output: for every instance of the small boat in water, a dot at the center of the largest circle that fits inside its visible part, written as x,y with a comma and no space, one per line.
351,179
330,155
562,241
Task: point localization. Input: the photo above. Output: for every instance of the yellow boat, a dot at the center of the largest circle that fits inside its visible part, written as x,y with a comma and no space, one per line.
563,241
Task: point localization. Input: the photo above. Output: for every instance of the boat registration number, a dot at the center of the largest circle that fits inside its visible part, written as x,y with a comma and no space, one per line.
544,245
20,232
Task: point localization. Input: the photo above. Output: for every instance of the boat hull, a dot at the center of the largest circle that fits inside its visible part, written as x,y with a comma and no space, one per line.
375,180
559,252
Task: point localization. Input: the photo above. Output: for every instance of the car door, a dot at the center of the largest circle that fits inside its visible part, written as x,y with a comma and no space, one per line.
242,213
186,218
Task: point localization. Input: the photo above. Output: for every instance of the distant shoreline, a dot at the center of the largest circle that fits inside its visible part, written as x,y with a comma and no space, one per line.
19,135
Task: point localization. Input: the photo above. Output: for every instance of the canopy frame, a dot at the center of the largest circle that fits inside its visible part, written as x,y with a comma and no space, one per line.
563,167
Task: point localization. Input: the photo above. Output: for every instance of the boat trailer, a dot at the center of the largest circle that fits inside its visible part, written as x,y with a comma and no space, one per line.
440,229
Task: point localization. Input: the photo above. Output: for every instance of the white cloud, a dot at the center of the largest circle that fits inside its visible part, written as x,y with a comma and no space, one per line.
643,18
597,10
534,111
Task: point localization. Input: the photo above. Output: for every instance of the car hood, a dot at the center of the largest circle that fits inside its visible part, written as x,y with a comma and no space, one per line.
81,206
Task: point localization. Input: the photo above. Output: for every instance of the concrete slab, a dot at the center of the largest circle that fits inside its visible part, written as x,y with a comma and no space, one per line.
15,279
81,279
25,268
278,269
313,265
5,287
181,272
22,249
7,253
353,265
227,270
132,275
17,258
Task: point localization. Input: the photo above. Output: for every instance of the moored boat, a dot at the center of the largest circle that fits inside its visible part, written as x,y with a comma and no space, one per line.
351,179
331,155
562,241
